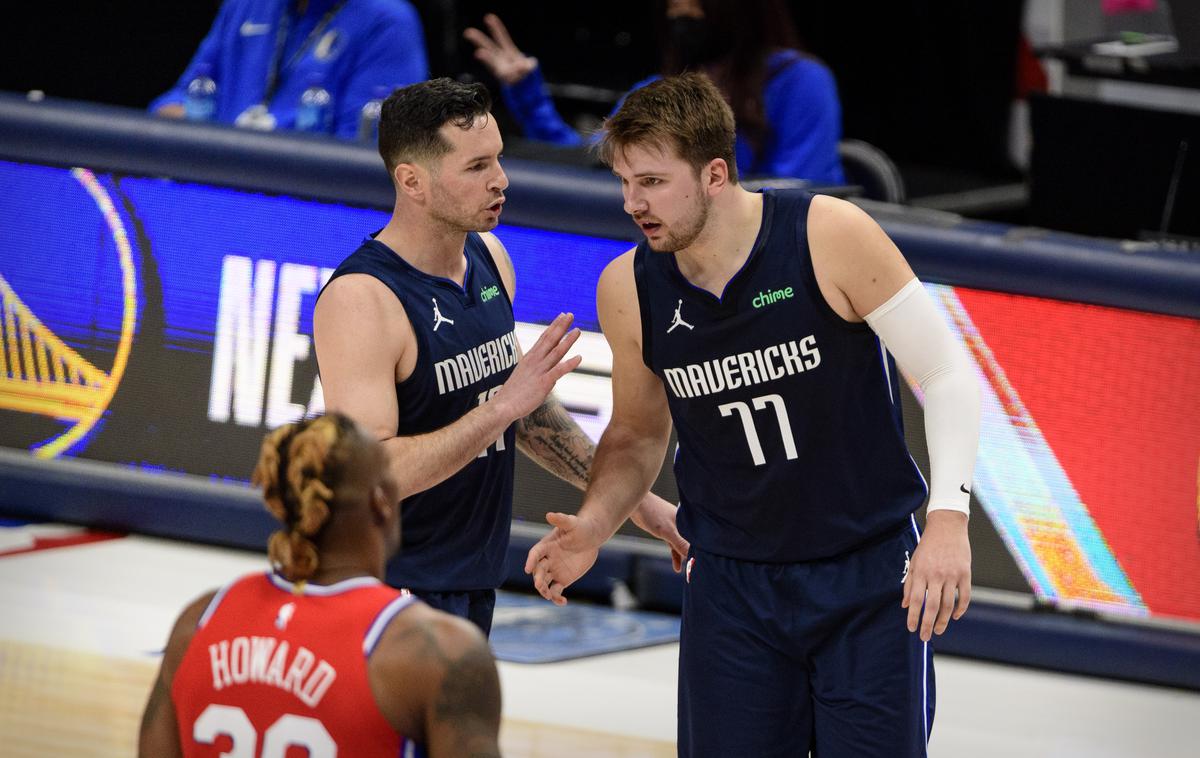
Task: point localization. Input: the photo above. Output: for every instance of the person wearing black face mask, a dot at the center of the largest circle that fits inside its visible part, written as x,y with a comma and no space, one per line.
785,102
696,42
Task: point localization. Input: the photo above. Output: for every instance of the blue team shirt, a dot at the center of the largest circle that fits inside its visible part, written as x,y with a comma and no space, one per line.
791,443
455,534
367,44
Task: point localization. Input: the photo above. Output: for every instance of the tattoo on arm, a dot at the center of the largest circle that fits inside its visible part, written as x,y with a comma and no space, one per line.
465,712
552,438
470,699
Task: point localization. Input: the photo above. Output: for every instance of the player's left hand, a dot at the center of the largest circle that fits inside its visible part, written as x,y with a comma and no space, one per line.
940,571
563,555
657,517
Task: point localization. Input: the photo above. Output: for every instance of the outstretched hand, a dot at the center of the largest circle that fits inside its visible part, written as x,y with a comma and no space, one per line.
939,571
563,555
496,50
539,368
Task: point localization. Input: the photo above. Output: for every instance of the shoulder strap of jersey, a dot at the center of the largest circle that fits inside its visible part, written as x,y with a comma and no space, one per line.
640,274
389,612
489,260
217,598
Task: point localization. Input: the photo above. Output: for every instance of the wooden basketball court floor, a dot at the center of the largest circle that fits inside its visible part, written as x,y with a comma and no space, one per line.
79,627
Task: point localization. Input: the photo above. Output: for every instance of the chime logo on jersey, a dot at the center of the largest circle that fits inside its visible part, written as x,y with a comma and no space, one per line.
487,293
763,299
438,318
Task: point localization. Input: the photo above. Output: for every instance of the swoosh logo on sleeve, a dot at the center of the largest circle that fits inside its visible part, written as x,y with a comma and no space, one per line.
251,29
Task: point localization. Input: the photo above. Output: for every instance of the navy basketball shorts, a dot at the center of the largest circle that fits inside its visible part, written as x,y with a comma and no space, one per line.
476,606
784,659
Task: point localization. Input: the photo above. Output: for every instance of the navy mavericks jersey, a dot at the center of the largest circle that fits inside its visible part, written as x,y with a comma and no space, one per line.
791,444
455,534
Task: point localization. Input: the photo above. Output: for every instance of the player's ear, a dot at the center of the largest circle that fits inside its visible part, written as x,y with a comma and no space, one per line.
715,176
411,179
381,504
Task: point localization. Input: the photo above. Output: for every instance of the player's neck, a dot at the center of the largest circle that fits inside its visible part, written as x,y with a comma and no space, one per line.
332,574
431,248
723,247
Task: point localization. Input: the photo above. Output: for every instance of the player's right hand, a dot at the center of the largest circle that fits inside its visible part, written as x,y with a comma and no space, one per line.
539,369
499,53
563,555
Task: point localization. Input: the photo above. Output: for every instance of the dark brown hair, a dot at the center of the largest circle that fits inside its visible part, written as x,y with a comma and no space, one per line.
683,113
412,116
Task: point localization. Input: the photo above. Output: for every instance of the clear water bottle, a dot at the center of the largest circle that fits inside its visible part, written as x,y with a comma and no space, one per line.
315,113
368,119
201,101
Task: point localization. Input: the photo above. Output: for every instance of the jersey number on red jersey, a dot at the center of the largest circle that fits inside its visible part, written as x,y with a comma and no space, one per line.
288,730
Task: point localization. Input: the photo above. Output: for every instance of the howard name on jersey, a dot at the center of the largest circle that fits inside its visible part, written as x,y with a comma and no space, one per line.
269,661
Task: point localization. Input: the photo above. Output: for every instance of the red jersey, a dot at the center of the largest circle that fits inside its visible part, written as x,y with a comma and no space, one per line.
269,670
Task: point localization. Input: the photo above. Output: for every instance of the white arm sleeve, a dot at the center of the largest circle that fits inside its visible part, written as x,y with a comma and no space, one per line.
912,330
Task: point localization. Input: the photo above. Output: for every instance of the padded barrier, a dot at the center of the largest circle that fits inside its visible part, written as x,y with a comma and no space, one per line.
941,247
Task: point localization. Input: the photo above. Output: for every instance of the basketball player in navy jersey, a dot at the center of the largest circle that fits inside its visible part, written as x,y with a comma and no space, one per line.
764,326
415,340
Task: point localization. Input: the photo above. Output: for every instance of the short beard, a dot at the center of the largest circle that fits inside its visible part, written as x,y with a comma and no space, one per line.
462,224
453,222
678,240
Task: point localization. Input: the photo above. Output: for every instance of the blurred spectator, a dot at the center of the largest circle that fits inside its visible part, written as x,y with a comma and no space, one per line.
264,54
785,102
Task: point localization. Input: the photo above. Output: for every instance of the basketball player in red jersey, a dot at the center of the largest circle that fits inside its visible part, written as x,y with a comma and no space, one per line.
319,654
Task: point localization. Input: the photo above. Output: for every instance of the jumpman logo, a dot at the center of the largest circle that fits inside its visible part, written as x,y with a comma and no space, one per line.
678,320
438,318
904,574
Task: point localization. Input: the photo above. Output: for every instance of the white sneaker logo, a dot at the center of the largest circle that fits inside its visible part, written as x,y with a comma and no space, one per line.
251,29
678,320
904,574
438,318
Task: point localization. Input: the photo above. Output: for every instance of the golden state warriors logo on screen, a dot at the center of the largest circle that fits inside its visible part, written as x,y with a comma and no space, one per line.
68,284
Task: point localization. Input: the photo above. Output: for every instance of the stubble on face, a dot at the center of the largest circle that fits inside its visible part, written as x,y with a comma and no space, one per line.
449,210
688,228
458,200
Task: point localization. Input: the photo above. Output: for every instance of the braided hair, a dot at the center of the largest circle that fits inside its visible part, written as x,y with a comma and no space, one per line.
298,468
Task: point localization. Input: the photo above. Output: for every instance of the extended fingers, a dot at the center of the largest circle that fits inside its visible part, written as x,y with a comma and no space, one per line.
542,578
556,333
482,42
933,603
538,552
964,597
947,607
914,599
499,31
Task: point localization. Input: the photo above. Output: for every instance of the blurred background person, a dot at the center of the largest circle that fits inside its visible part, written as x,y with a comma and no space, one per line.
310,65
785,102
